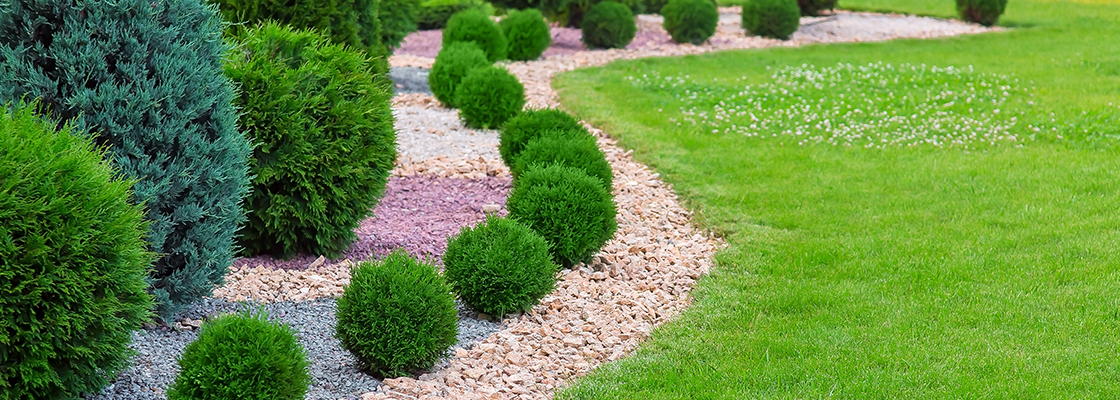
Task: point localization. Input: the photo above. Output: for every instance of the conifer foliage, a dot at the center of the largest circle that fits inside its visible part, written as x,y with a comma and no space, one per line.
72,262
146,77
322,122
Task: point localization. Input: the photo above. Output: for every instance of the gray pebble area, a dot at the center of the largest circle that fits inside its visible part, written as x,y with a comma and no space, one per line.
409,80
333,370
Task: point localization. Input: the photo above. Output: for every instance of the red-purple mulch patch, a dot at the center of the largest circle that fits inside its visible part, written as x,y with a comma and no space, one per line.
416,214
564,41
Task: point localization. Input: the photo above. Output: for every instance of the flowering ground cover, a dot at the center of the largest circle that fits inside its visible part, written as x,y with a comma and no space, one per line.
972,254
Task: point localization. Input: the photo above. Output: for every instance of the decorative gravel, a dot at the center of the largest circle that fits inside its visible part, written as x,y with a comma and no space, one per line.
333,370
424,133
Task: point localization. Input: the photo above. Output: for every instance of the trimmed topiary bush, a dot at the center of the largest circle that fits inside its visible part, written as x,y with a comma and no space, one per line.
983,12
242,356
474,26
814,7
499,266
570,148
72,262
435,13
398,19
322,122
519,130
690,21
147,78
352,22
608,25
527,33
453,63
773,18
397,315
488,97
572,210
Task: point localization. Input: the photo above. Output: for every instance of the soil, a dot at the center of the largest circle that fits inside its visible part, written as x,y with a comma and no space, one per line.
417,214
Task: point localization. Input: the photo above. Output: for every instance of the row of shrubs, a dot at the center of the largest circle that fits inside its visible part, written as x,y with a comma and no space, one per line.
398,315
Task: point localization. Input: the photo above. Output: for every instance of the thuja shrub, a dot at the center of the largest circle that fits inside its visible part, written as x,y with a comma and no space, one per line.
147,79
353,22
397,315
518,131
527,33
608,25
499,266
572,210
690,21
570,148
323,126
72,262
398,19
242,356
814,7
983,12
773,18
453,63
474,26
488,97
435,13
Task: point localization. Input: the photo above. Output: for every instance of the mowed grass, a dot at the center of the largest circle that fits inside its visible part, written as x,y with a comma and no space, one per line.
969,270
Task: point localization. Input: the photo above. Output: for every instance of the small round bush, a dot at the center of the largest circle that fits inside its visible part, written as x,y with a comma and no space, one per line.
773,18
475,26
814,7
398,19
72,262
608,25
983,12
323,126
690,21
488,97
453,63
517,132
397,315
242,356
572,210
499,266
571,148
527,33
435,13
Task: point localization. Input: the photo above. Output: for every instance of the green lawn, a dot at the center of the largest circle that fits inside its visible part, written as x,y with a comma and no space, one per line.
975,268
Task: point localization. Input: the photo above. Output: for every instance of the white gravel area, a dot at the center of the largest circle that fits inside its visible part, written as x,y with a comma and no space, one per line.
431,132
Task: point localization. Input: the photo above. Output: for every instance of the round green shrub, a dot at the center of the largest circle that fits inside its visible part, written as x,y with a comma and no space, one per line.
499,266
572,210
518,131
773,18
488,97
608,25
146,78
435,13
814,7
72,262
570,148
353,22
323,126
242,356
983,12
398,19
527,33
474,26
453,63
397,315
690,21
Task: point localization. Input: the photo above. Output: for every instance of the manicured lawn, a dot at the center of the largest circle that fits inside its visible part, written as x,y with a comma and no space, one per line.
974,268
